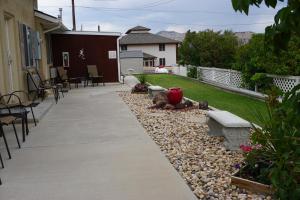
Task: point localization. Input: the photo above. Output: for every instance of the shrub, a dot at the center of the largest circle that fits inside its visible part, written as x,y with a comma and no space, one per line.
262,81
277,160
192,72
142,78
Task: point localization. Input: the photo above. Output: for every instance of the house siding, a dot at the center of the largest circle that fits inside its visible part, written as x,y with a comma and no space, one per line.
18,12
96,48
153,49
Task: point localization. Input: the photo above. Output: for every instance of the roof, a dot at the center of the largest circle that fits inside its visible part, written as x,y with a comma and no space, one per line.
138,28
90,33
49,22
135,54
131,54
145,55
146,38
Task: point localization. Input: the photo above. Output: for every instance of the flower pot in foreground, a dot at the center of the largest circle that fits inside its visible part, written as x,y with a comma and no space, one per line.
175,95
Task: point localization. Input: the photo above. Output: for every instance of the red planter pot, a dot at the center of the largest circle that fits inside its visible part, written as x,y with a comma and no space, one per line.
175,95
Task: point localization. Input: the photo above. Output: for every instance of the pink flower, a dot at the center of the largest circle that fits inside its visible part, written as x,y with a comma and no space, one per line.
246,149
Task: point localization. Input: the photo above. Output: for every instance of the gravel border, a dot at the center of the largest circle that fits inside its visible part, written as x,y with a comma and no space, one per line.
200,159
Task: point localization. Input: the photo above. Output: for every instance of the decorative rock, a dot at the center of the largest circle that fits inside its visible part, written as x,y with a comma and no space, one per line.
160,100
201,160
203,105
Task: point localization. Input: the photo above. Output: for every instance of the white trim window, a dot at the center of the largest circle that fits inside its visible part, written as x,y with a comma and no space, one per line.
162,47
162,61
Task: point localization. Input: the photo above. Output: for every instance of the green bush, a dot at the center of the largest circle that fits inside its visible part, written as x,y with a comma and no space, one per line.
192,72
275,155
142,78
262,81
254,58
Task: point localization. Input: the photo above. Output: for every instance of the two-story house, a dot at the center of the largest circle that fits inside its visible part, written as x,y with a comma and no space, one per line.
157,50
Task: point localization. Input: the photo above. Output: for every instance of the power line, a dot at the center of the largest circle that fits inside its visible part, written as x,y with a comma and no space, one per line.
112,9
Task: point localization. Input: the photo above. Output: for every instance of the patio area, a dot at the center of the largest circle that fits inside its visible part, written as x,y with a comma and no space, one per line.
89,146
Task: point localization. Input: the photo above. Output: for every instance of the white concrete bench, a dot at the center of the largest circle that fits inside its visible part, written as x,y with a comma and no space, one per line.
153,90
234,129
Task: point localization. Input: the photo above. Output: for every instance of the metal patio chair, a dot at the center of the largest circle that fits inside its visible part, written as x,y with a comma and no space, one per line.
5,121
63,76
48,84
11,105
36,85
94,76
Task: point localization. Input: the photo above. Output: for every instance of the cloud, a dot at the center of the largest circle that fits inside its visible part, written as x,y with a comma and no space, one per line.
104,26
179,16
178,28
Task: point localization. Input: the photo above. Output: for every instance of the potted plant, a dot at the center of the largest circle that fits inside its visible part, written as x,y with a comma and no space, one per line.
274,155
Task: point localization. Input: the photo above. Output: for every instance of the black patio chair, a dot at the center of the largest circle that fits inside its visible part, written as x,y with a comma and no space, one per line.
26,104
50,84
36,85
11,105
5,121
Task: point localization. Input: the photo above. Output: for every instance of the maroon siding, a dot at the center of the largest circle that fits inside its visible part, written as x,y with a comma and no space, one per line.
96,49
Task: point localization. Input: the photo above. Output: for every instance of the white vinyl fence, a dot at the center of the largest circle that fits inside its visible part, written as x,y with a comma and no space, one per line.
233,78
180,70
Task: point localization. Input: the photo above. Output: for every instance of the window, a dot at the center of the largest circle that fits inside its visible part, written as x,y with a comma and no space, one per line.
162,61
161,47
124,47
30,46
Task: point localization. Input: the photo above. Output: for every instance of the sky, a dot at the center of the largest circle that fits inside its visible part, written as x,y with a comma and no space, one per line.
159,15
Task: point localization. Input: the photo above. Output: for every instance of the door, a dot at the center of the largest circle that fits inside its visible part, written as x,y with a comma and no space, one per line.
10,52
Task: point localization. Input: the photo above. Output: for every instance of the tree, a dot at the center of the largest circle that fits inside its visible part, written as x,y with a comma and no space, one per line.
286,21
253,58
208,48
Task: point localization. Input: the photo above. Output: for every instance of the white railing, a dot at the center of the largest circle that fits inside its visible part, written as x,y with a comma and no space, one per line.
233,78
226,77
180,70
285,83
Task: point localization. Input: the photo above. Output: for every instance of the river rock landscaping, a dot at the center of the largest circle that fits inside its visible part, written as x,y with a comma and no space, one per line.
200,159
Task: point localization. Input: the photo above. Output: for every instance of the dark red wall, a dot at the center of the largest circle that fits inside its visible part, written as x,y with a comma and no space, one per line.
96,49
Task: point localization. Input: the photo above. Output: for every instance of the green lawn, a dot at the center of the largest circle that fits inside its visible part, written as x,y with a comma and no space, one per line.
243,106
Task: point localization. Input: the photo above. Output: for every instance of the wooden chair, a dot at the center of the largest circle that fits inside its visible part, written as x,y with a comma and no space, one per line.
94,76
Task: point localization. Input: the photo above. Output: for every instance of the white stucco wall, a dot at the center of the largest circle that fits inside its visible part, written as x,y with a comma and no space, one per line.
169,54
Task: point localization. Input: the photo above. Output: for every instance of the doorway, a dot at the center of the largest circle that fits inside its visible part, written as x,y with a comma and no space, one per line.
10,52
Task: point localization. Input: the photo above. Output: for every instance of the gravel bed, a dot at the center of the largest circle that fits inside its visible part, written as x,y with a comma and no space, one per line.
200,159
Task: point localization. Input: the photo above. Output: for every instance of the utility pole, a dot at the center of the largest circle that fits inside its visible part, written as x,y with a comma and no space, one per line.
73,16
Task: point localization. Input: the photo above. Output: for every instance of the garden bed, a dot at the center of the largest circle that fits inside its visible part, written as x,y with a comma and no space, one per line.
201,160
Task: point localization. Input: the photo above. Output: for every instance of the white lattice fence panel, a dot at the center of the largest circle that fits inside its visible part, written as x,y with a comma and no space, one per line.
285,83
236,79
207,74
222,77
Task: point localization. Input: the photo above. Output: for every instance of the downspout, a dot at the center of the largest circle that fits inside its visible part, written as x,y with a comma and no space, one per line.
118,54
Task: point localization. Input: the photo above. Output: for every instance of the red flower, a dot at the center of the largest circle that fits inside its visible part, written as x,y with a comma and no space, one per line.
246,149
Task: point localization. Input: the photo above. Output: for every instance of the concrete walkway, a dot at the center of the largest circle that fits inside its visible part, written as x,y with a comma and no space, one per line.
90,146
